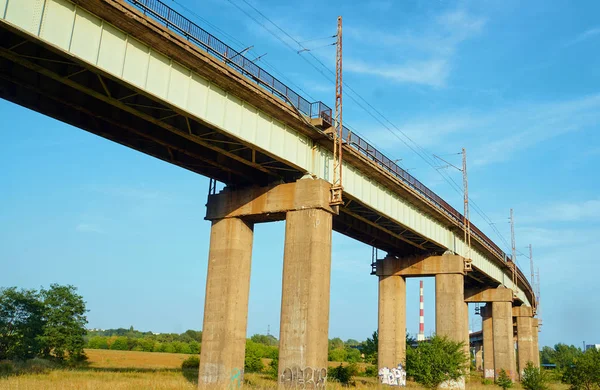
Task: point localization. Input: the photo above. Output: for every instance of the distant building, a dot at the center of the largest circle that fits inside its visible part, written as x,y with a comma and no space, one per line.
590,346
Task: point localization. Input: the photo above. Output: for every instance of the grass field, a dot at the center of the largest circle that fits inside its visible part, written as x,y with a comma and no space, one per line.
128,370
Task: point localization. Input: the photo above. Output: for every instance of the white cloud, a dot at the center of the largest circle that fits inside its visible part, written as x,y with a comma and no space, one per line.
586,210
429,52
590,33
432,73
496,135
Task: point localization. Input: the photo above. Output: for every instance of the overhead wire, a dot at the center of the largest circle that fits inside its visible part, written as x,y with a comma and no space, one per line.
240,45
417,149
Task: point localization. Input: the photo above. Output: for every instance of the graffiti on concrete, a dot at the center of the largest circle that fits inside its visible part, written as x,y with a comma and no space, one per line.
392,377
307,378
236,379
489,373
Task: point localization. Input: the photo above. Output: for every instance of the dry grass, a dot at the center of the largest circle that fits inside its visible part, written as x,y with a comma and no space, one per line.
125,370
102,358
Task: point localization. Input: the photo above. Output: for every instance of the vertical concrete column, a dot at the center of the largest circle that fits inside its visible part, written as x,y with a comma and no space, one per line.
504,352
479,358
467,334
535,344
524,342
450,313
226,302
305,297
450,306
488,342
391,320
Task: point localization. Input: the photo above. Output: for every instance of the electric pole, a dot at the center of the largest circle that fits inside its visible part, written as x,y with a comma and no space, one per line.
514,252
466,216
337,188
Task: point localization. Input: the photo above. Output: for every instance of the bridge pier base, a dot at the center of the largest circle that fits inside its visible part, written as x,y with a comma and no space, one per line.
226,302
524,318
304,328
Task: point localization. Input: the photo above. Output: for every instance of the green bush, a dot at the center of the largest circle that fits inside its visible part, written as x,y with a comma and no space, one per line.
120,344
534,378
430,364
371,371
6,368
339,374
191,363
487,381
503,380
273,369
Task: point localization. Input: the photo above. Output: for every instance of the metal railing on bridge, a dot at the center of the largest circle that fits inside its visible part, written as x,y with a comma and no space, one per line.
194,33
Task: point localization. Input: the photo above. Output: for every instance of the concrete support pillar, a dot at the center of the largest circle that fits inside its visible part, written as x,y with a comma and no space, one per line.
524,343
450,306
305,297
502,326
392,321
525,346
467,334
488,342
226,302
479,358
535,344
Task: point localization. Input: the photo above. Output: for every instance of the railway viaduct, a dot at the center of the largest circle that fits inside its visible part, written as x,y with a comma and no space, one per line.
138,73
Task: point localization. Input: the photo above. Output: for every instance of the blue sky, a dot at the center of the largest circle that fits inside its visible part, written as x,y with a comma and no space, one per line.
515,83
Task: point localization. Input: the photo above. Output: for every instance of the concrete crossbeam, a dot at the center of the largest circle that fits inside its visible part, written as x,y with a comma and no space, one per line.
499,294
270,203
421,266
226,302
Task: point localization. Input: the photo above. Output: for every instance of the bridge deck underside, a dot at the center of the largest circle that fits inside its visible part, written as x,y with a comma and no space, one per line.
48,80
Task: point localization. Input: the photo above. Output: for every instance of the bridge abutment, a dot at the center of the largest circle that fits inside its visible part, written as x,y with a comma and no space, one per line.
535,345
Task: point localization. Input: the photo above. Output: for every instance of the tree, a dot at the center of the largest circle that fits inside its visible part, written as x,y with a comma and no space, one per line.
21,322
503,380
97,342
437,361
65,320
369,348
584,374
336,343
337,355
120,344
534,378
265,339
562,355
252,361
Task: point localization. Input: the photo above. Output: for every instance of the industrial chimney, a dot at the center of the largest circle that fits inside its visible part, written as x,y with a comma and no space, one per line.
421,336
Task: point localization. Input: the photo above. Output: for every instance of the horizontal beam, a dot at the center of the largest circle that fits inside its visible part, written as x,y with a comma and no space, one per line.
270,203
499,294
422,265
